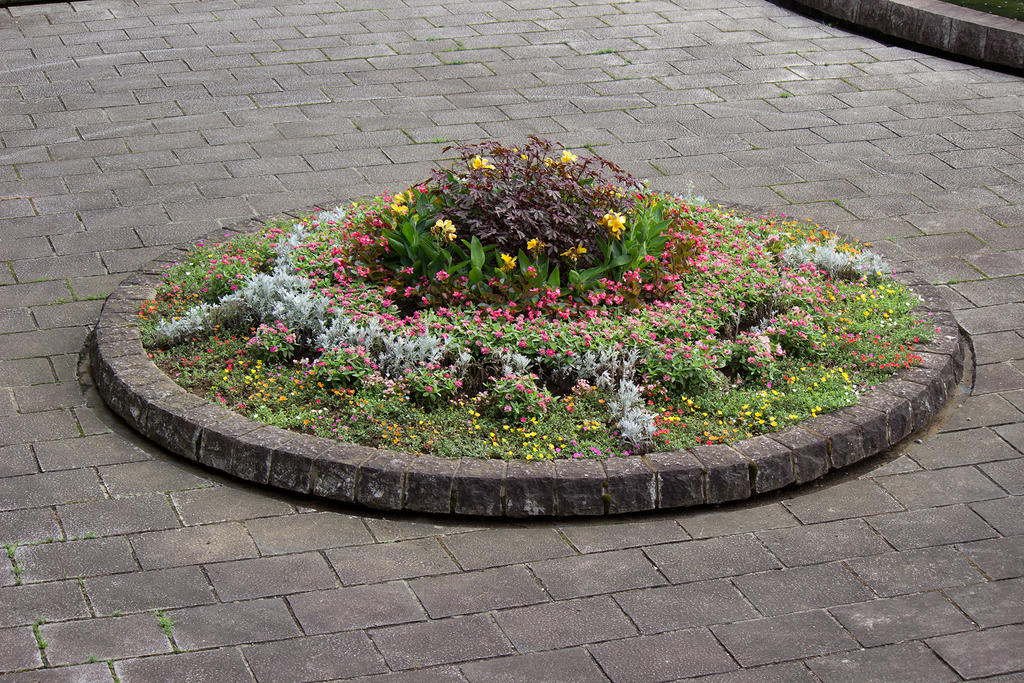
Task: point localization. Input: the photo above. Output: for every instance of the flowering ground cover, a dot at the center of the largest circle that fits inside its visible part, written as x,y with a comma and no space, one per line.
530,302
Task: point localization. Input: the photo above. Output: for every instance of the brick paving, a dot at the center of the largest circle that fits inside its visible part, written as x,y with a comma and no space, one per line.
128,127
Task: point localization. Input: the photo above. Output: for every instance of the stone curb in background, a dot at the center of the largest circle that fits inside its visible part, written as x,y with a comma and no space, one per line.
956,30
191,427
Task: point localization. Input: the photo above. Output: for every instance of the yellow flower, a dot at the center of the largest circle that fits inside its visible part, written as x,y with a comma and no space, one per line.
400,209
444,228
479,162
534,245
567,157
614,222
400,198
507,262
574,253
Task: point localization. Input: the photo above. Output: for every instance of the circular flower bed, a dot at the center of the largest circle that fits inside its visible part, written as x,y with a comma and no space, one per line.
531,304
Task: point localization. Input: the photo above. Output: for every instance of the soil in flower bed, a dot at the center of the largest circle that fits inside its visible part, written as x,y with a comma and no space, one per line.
529,302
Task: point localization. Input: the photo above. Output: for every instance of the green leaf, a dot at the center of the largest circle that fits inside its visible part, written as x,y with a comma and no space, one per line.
555,279
429,250
476,254
523,264
409,232
475,276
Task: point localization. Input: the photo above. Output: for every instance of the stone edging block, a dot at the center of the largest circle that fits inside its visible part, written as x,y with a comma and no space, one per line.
212,435
953,29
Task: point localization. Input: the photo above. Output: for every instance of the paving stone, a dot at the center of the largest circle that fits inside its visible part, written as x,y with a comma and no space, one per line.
86,452
147,591
999,558
51,601
388,561
225,664
662,657
777,639
994,377
704,524
29,526
314,658
82,673
17,460
222,503
711,559
825,542
907,662
986,410
48,397
565,624
118,517
562,665
997,346
315,531
154,476
1012,434
403,528
843,501
57,424
73,642
233,623
894,620
71,559
193,545
965,447
268,576
7,575
478,591
801,588
18,649
445,641
669,608
592,538
343,609
911,571
935,526
577,576
982,653
437,674
995,603
918,490
496,547
1005,515
790,672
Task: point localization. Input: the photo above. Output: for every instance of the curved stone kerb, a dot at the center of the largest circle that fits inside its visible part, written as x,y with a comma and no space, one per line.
196,429
955,30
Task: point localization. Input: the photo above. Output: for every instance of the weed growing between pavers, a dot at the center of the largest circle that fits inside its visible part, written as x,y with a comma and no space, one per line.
531,303
167,626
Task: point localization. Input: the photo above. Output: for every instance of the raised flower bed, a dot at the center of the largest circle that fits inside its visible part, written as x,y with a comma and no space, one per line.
529,332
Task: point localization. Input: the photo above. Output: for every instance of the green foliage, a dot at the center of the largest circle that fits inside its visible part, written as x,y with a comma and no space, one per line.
507,196
394,323
516,395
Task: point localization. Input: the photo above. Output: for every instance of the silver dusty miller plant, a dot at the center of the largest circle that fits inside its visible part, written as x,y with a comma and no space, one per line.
838,264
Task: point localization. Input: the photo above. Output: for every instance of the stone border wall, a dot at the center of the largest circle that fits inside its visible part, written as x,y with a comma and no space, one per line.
195,429
953,29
